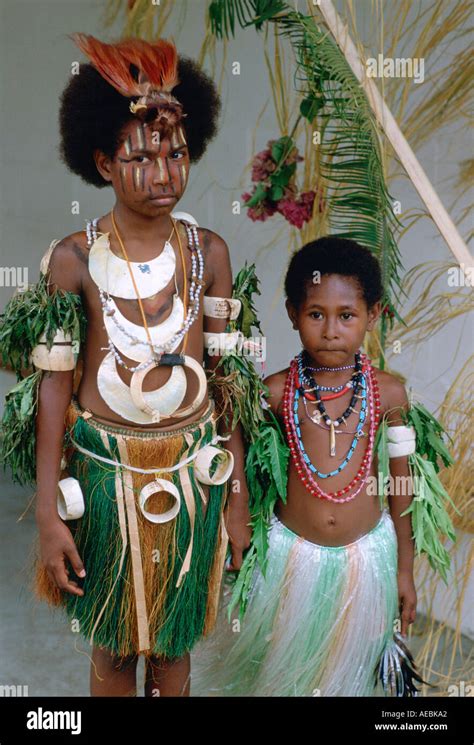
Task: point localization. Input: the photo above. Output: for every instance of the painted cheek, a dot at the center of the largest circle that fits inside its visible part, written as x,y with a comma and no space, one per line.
177,172
138,178
132,177
183,175
123,178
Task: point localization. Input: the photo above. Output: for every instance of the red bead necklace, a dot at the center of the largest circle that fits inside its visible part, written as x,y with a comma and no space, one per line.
300,464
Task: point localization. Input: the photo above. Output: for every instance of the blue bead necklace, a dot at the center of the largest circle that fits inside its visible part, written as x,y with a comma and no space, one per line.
359,385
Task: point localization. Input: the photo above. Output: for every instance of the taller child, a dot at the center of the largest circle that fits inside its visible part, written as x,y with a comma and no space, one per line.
136,557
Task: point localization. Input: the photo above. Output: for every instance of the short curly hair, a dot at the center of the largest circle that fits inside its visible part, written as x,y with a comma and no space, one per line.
333,255
93,113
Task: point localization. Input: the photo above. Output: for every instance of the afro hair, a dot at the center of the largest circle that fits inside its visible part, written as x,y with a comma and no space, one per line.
333,255
92,115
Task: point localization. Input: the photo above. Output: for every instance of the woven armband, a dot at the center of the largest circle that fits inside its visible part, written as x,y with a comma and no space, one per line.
221,307
401,441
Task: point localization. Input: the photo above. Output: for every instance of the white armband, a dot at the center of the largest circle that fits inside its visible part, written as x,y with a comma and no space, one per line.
62,355
221,307
70,499
401,441
202,465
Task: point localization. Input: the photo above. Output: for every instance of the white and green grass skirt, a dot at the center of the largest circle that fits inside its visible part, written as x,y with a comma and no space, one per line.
320,623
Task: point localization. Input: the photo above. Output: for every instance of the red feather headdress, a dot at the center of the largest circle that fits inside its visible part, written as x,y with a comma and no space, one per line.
157,65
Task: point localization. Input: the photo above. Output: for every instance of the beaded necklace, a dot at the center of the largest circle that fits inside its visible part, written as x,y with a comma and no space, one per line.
357,383
350,452
301,461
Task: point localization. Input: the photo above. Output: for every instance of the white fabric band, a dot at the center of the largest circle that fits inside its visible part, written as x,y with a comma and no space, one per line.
221,307
401,441
70,499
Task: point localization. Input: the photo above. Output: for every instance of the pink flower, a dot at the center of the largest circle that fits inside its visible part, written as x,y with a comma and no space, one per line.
297,212
262,166
261,211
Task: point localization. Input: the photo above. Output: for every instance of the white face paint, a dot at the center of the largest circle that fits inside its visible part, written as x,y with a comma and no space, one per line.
151,167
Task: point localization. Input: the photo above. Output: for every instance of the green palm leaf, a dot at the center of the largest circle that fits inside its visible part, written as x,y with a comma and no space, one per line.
360,206
351,165
223,14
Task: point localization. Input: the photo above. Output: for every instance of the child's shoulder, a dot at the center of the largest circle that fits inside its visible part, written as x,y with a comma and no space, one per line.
212,244
276,387
217,260
67,260
72,246
393,395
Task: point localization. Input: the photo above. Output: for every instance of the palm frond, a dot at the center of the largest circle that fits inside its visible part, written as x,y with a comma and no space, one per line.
224,14
360,206
351,165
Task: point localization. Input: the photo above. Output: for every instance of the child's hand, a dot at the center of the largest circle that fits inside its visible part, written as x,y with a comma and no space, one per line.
237,519
406,599
57,544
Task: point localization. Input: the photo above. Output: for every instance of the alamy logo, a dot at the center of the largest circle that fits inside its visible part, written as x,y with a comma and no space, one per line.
388,67
41,719
14,276
9,691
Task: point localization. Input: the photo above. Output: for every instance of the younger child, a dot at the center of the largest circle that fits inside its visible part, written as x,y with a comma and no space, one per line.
340,568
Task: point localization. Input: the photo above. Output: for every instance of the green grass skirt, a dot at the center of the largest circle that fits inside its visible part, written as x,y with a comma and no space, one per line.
133,605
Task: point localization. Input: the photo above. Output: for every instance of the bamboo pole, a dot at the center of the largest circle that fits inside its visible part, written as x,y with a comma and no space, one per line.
406,155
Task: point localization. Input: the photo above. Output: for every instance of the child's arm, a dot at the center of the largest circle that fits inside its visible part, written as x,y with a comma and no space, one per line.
401,495
55,394
237,513
276,387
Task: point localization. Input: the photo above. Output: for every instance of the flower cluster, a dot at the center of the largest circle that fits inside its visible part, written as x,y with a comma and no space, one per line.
273,172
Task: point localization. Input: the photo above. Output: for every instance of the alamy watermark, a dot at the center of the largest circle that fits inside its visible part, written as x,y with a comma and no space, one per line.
237,343
389,67
14,276
13,691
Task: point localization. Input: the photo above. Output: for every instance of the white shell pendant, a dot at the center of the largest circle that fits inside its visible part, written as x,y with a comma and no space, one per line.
142,403
112,274
116,393
160,334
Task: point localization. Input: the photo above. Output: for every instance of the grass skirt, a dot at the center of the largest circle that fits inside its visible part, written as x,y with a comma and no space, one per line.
318,625
138,596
